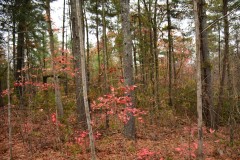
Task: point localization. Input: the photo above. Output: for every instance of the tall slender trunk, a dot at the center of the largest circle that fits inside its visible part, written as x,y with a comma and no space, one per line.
80,17
98,47
237,43
63,27
1,98
230,102
21,32
105,59
77,66
155,49
174,64
219,49
197,19
152,66
64,54
141,44
135,61
20,55
169,55
225,60
208,110
9,101
129,127
58,98
104,43
88,49
135,54
14,40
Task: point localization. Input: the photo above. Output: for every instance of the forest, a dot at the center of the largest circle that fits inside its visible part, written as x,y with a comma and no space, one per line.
119,80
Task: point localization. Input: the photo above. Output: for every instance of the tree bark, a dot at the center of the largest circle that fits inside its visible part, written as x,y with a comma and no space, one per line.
14,40
88,50
152,58
129,127
141,56
20,54
98,47
105,59
1,98
80,17
77,65
208,110
63,49
9,101
156,65
58,98
197,19
225,60
169,55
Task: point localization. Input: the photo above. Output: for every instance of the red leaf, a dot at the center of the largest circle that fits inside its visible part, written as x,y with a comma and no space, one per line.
178,149
211,130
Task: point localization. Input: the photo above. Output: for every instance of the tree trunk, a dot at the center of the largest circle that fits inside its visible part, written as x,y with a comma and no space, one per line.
1,97
88,50
9,100
135,55
141,56
14,40
225,61
105,59
208,111
64,54
155,50
80,17
77,66
98,47
129,128
197,19
151,58
169,56
58,98
219,51
135,61
20,54
230,102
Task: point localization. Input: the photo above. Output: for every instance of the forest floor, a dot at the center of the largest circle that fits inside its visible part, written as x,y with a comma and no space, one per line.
36,137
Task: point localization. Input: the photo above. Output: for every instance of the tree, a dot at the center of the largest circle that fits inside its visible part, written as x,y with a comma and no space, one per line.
9,102
141,58
170,46
197,19
77,66
3,67
225,58
21,29
105,59
63,47
129,128
58,99
206,71
80,19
